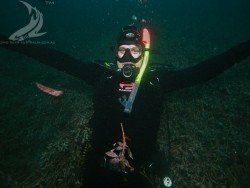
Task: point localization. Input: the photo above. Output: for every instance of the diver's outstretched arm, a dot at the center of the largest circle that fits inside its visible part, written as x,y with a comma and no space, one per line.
89,72
205,70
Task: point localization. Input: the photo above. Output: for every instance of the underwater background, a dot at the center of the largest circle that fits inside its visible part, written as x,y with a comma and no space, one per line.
44,139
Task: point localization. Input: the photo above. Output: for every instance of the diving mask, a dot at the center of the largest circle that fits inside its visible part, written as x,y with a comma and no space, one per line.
129,53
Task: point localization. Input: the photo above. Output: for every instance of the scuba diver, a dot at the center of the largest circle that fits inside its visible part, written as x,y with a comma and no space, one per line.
128,104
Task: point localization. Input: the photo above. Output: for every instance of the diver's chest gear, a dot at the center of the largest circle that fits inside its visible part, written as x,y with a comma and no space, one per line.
127,87
127,57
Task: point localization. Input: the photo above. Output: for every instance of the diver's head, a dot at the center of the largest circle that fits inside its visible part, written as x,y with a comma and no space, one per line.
129,50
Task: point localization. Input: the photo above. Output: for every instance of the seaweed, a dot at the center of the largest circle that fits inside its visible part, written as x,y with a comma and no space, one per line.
118,154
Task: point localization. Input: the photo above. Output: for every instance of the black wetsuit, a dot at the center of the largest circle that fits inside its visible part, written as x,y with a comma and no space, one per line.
142,124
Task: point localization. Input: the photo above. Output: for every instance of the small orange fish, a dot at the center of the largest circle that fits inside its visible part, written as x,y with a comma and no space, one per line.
48,90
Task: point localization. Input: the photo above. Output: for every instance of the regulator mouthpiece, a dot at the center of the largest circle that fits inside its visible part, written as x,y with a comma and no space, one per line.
129,72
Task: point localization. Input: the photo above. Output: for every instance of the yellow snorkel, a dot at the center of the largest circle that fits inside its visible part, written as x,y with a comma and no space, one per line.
131,99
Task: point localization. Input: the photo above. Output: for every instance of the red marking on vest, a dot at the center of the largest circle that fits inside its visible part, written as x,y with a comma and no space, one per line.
126,86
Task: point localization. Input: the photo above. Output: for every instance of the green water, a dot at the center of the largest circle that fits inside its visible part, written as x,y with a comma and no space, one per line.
209,123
